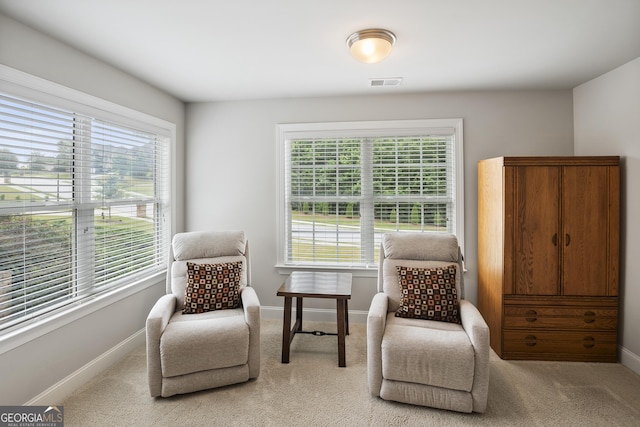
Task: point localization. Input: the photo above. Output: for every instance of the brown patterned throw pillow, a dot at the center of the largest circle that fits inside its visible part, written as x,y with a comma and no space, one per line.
429,293
212,287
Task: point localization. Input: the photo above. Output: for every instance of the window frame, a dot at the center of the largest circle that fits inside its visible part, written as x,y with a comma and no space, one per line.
26,86
359,129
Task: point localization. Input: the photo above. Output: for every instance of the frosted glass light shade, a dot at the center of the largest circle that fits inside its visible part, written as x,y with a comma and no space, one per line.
371,45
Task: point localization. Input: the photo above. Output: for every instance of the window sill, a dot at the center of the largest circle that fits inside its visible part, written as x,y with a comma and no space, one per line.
369,272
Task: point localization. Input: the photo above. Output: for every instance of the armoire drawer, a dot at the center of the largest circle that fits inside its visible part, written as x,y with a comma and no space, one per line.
573,345
566,317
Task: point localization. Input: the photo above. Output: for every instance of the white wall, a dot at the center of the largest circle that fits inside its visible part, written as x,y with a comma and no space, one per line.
607,122
33,367
231,158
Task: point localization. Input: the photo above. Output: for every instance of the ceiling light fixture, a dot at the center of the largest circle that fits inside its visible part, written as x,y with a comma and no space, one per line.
372,45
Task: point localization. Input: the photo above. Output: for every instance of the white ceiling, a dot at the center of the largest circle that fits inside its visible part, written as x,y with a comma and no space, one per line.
207,50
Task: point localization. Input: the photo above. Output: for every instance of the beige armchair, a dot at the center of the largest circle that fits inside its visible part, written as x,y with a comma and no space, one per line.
209,335
411,359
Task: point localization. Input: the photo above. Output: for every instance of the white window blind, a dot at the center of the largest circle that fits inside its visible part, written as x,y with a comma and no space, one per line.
82,207
343,187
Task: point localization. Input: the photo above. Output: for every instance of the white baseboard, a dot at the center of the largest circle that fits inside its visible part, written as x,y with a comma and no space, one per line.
63,388
315,314
630,360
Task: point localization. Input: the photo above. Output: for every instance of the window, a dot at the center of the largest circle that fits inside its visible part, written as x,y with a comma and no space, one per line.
84,204
342,185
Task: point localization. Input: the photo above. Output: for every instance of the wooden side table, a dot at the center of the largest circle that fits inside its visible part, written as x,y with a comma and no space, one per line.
307,284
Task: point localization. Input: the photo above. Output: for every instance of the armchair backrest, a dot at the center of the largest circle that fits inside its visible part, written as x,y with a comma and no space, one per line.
422,250
205,247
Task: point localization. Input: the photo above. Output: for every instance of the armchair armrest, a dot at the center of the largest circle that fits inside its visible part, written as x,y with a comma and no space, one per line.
376,322
478,332
251,306
474,325
159,315
157,321
377,314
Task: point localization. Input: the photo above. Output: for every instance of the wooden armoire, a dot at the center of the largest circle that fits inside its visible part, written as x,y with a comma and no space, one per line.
548,256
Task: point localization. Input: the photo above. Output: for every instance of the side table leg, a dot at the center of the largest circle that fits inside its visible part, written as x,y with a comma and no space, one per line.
298,326
341,331
286,330
346,314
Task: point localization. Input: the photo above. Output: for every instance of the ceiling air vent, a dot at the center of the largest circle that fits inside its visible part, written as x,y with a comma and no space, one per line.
395,81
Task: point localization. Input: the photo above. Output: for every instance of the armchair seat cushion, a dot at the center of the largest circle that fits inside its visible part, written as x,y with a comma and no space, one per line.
200,342
427,352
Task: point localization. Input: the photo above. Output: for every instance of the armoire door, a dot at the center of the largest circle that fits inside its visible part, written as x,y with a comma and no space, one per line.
585,209
537,225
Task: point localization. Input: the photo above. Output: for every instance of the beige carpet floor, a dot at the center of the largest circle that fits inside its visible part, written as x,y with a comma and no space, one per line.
313,391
